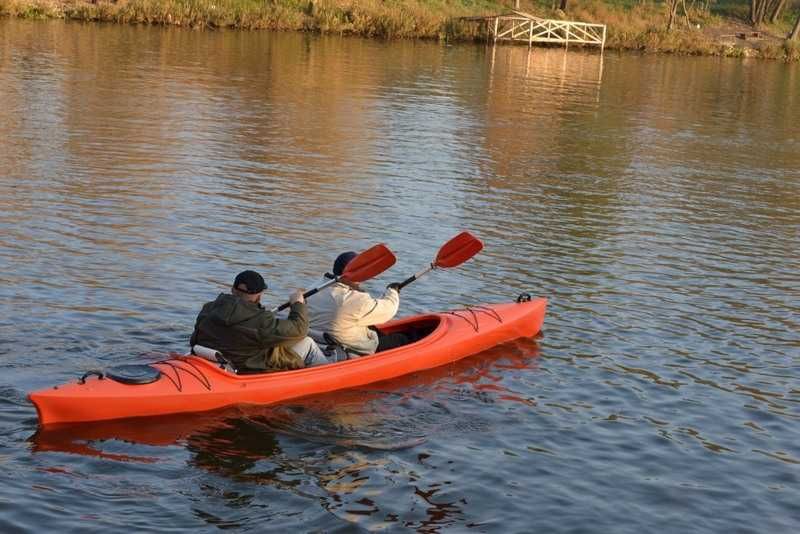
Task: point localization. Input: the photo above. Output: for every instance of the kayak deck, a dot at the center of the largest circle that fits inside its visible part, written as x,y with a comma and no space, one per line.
193,384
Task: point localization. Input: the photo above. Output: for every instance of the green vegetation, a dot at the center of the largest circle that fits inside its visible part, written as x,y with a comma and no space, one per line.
700,26
388,19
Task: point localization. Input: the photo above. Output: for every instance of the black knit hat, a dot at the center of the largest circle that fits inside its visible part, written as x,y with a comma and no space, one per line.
341,262
251,280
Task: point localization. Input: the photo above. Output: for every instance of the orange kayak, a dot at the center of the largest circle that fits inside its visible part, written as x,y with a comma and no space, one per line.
193,384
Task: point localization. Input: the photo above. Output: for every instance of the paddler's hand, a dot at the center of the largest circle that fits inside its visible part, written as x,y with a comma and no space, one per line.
395,286
297,296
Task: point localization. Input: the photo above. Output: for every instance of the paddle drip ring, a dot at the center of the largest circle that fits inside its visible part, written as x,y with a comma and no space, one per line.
524,297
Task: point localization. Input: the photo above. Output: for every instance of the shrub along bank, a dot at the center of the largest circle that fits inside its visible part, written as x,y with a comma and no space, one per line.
703,29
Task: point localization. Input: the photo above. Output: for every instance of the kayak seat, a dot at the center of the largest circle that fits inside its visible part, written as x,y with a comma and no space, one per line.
213,355
318,336
336,351
412,332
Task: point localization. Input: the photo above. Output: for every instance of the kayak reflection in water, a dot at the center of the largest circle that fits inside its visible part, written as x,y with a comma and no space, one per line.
252,338
348,315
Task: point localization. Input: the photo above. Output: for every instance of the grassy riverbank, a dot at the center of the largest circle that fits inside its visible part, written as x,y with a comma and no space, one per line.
632,25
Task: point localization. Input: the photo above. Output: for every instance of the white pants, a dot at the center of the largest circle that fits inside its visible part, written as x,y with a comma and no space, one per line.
308,349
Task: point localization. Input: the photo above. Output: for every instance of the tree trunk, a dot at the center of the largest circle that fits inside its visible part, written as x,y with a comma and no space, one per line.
776,10
796,30
673,10
758,10
686,14
762,16
563,5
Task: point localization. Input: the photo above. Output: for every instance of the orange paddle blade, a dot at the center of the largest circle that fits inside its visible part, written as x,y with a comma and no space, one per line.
458,250
369,263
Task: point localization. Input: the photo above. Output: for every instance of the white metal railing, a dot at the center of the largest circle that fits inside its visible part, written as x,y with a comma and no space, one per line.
519,27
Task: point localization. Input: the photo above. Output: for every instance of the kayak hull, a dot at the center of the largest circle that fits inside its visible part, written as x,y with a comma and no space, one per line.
193,384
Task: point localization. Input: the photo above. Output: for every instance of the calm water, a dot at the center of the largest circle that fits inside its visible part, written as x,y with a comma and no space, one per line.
654,200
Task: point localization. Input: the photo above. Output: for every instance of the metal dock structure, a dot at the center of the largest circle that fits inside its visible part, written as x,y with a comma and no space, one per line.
524,27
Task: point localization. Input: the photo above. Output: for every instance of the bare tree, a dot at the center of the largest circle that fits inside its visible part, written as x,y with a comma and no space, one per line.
757,10
796,30
673,11
777,9
763,10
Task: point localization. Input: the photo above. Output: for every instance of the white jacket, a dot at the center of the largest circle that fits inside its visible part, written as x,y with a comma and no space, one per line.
346,314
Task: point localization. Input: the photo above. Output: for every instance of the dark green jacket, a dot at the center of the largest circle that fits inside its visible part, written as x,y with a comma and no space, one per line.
249,336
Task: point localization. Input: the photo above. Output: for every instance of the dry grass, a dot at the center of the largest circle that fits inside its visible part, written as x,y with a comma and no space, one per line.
639,25
32,9
373,18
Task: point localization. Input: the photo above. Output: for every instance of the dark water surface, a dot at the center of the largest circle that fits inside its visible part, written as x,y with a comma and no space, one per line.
655,200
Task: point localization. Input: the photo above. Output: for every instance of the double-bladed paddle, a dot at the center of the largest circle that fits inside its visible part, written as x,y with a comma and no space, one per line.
452,254
366,265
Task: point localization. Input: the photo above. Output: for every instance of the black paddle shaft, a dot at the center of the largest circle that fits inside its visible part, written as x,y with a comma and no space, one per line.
306,294
413,277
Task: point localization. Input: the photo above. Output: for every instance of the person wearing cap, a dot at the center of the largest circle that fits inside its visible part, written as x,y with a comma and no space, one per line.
252,338
347,314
